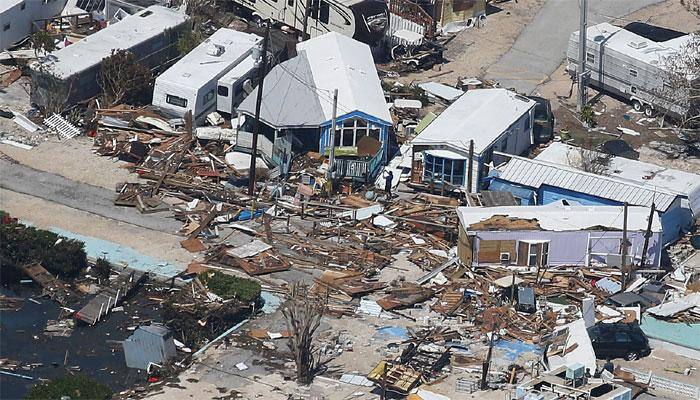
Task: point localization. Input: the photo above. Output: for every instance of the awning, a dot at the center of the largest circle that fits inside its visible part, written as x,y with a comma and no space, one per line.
445,154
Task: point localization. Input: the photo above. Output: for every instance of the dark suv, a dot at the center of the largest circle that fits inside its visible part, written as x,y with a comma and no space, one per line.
619,340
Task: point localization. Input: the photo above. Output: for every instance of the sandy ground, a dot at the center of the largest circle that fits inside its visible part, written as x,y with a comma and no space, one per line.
45,214
474,50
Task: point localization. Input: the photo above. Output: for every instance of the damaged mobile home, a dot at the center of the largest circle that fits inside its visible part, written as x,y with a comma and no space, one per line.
292,127
555,235
73,71
192,83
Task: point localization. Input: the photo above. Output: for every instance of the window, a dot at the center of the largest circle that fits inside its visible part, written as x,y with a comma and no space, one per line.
208,97
353,130
222,91
633,73
532,255
290,3
22,6
622,337
6,27
590,57
526,125
176,101
313,10
324,13
545,253
633,89
437,169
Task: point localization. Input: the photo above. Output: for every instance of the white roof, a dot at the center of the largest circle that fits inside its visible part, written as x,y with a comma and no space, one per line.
299,91
619,39
7,4
201,65
449,154
441,90
535,173
481,114
122,35
239,70
559,217
672,180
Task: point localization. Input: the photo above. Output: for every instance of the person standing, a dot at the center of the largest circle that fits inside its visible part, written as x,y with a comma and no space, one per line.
388,183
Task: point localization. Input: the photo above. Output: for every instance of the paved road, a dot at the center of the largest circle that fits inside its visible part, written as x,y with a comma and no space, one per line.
541,47
81,196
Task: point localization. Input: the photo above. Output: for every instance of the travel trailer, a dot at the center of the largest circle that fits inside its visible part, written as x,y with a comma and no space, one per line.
363,20
192,83
630,63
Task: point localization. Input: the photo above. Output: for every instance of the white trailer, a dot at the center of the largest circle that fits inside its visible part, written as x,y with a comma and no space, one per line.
631,66
17,16
191,84
363,20
237,84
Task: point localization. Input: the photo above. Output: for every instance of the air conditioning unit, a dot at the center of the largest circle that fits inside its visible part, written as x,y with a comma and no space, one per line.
505,256
575,371
637,44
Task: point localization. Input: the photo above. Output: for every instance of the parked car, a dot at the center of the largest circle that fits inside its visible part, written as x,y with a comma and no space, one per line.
543,125
619,340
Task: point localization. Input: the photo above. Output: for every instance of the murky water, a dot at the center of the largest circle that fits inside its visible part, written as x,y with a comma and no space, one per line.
89,347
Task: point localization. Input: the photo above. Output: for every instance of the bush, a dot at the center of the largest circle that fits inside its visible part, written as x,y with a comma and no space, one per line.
102,269
74,386
21,245
228,287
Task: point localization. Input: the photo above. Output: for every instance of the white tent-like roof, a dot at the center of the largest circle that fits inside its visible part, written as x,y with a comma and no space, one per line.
299,91
481,115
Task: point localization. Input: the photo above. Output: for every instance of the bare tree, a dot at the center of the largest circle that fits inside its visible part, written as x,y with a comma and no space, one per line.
590,161
303,316
123,79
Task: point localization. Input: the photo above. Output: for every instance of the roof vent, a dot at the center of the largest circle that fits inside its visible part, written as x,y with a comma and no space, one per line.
640,44
215,50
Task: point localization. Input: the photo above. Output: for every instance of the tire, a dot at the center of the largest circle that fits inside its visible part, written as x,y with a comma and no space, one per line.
632,356
637,105
649,112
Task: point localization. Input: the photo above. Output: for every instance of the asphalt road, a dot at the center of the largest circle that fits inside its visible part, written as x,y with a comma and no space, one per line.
81,196
541,47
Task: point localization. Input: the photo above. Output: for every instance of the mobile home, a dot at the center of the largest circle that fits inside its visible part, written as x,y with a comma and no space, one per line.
236,85
623,62
191,84
363,20
17,16
150,34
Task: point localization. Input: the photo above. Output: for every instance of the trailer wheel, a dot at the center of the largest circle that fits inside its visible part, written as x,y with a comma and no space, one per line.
649,112
637,105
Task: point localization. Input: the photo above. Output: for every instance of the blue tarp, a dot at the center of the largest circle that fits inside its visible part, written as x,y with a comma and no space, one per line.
391,333
513,349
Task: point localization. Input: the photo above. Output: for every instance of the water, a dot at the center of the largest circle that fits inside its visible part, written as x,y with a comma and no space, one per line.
22,339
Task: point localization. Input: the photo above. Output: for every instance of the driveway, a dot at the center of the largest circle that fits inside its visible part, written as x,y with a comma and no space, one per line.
541,47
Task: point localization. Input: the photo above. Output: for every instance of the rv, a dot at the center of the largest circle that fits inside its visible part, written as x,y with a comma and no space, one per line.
236,85
363,20
630,62
192,83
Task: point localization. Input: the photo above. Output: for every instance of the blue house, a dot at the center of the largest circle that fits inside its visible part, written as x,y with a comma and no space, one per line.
297,108
537,182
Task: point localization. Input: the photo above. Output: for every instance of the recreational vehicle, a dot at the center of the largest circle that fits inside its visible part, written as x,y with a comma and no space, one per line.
236,84
363,20
630,62
191,84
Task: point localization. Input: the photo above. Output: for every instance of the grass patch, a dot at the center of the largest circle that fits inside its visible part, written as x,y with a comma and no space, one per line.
229,287
76,387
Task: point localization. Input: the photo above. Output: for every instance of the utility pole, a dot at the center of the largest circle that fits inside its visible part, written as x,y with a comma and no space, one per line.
307,10
647,235
262,71
470,166
487,363
331,158
623,263
582,75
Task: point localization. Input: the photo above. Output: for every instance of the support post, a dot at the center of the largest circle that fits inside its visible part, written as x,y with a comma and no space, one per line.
623,263
470,166
307,10
583,25
647,235
331,134
262,71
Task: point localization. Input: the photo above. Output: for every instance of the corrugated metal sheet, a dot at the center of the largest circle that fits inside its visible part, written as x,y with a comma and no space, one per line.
149,344
534,174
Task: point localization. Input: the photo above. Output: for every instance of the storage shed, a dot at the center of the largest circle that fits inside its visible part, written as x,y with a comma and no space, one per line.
149,344
74,71
191,84
554,235
494,119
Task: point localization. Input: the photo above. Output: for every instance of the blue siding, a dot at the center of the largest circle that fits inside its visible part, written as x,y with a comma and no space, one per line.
383,130
526,195
551,194
675,221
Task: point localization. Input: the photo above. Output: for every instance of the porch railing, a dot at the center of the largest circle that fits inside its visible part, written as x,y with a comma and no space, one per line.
359,169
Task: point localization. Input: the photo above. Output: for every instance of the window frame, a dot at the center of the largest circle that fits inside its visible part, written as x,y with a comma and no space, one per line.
208,97
544,258
6,27
219,90
324,11
590,57
175,100
532,256
634,73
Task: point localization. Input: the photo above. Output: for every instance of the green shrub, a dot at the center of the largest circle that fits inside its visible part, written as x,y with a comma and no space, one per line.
20,245
228,287
74,386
